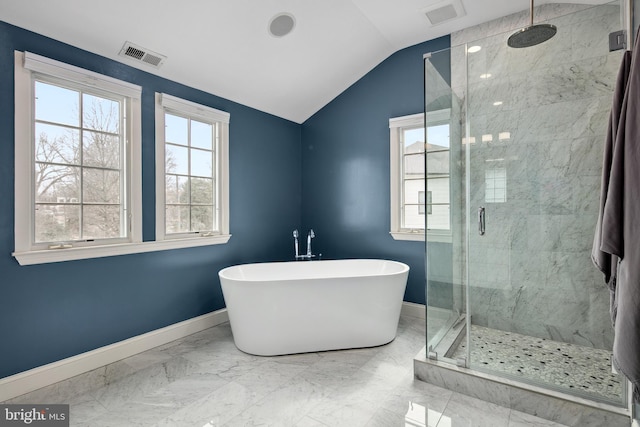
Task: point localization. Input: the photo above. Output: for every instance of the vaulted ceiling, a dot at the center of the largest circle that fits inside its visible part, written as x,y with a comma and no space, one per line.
224,47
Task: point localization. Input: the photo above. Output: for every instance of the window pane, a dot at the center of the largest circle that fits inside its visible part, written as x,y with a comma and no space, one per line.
495,185
101,222
56,144
438,137
56,223
56,104
414,165
439,218
439,189
412,190
56,184
100,114
176,129
102,150
413,140
177,189
438,163
201,135
201,218
412,217
101,186
177,159
177,219
201,163
201,191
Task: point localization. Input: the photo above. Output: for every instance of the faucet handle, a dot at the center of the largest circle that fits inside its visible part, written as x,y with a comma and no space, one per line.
295,233
311,233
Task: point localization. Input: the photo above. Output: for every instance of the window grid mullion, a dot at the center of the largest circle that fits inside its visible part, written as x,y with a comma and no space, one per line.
215,129
402,174
125,221
81,159
189,179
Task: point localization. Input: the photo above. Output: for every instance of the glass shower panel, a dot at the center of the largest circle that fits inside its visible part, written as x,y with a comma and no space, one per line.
536,122
441,204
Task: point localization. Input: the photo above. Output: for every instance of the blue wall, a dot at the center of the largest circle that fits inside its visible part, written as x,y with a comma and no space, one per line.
333,171
53,311
345,164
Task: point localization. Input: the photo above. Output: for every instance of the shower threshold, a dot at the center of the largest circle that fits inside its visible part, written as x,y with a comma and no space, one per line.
564,383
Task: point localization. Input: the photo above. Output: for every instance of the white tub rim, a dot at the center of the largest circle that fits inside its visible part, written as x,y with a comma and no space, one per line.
403,268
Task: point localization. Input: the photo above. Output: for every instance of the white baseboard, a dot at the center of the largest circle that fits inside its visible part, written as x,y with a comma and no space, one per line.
412,309
42,376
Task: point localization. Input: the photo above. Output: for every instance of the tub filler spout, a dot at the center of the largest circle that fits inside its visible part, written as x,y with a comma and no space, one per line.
309,255
310,236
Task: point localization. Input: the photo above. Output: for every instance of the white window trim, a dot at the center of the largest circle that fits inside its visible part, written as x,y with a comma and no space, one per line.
396,232
25,64
164,101
73,254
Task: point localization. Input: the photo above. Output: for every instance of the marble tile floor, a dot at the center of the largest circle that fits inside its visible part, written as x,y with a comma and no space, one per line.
203,380
574,368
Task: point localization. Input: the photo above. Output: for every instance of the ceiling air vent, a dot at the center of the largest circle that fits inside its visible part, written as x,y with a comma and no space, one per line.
132,51
444,11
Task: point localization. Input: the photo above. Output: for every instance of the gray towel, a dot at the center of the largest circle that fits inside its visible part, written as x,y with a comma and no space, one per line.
607,262
618,231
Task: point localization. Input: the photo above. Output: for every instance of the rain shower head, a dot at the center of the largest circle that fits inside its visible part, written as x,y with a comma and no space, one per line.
532,35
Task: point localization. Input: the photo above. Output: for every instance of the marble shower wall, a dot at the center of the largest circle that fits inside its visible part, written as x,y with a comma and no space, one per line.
537,123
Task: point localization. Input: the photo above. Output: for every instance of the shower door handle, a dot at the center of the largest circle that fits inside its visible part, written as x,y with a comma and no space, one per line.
481,220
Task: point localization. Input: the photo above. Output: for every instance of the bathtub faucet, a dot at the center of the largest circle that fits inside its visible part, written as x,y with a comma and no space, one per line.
295,241
310,236
309,255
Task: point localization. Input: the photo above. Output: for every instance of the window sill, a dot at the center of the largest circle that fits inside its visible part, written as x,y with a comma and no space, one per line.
438,237
87,252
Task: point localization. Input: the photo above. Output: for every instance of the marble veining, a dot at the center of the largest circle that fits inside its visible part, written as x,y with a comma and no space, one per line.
531,271
202,380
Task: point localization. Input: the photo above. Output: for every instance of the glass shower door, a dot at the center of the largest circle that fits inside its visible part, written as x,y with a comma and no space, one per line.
442,205
535,124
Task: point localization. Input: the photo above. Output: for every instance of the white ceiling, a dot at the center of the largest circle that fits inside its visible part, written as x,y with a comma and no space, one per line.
223,46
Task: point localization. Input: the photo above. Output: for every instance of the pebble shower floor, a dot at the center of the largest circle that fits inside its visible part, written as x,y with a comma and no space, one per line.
568,366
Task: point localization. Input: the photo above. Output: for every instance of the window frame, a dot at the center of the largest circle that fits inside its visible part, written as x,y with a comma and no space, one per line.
396,126
165,103
123,168
27,66
24,162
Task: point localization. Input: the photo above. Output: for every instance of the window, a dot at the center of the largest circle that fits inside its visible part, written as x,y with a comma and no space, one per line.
79,164
495,181
413,205
192,172
438,175
78,167
77,138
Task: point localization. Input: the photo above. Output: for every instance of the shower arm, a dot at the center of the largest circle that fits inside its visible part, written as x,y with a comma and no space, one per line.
531,14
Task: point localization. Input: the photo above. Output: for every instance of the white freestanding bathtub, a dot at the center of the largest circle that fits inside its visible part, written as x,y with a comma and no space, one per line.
307,306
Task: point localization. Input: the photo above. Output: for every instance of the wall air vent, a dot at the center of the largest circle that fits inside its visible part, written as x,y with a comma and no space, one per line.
135,52
444,11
